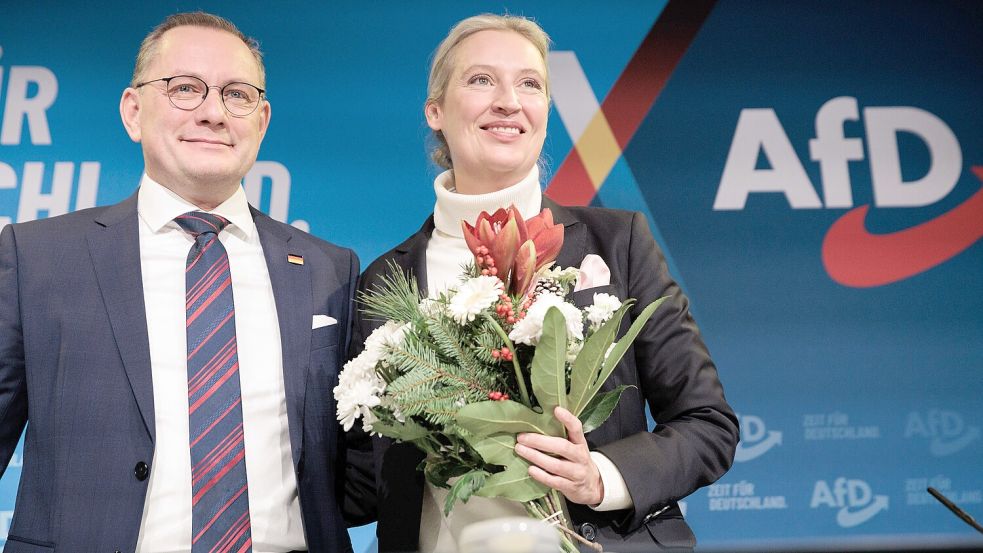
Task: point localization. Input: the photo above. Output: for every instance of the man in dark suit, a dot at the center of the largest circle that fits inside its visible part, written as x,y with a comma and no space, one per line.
163,415
669,367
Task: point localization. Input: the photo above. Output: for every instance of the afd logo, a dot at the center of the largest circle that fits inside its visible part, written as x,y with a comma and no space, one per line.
852,255
756,439
854,498
948,432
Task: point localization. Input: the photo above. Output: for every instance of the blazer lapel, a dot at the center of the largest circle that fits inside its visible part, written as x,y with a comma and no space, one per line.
294,306
574,235
114,246
412,254
401,484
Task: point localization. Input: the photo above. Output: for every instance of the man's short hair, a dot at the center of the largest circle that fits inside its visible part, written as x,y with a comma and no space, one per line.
150,44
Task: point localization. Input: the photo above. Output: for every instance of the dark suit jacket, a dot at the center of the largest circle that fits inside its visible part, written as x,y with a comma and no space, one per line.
75,364
691,446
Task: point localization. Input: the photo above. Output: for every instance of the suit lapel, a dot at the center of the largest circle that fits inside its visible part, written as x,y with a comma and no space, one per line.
412,254
401,484
574,235
114,246
294,307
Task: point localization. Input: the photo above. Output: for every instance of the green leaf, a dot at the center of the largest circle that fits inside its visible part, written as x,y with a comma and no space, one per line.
489,417
439,471
497,449
587,365
513,483
548,370
406,431
600,408
619,349
464,488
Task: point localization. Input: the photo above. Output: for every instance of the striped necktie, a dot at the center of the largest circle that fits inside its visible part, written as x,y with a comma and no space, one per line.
220,496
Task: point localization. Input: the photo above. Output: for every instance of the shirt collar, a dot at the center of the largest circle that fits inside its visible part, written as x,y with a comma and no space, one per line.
158,206
452,208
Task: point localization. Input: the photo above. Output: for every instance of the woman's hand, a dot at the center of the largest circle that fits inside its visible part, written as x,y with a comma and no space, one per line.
563,464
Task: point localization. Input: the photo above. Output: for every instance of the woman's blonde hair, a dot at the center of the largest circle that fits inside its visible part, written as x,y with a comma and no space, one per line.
443,62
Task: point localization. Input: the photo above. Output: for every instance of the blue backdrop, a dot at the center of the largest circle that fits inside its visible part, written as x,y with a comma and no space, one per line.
853,352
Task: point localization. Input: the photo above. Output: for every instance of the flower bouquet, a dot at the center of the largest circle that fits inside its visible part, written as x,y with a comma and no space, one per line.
459,375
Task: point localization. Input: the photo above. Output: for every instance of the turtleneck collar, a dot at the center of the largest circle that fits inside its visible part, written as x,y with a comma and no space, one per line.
452,208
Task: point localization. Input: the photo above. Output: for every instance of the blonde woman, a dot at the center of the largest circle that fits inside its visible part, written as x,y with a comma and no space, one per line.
488,107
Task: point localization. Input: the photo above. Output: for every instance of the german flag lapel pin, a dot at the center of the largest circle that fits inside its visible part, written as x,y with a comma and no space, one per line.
295,259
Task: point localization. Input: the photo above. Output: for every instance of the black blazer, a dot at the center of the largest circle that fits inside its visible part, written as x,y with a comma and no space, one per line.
691,446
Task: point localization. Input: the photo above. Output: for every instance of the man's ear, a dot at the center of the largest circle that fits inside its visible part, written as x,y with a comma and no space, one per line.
129,112
265,112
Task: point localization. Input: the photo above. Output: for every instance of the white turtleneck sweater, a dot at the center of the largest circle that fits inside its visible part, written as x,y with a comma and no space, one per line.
447,253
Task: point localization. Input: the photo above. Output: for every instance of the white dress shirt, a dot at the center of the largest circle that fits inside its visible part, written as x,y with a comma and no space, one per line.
447,252
274,507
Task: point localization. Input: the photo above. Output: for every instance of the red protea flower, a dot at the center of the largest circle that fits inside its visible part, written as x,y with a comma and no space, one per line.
543,243
512,249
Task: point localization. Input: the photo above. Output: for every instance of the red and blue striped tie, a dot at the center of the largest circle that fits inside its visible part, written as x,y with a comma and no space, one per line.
220,496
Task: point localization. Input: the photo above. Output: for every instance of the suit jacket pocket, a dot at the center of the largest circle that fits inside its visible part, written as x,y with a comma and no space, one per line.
23,545
325,336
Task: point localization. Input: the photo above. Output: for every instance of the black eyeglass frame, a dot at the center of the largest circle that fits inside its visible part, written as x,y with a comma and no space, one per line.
208,88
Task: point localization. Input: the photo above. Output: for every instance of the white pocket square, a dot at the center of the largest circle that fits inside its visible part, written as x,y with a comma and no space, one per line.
322,320
594,272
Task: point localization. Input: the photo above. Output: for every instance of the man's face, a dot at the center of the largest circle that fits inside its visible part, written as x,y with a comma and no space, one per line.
206,151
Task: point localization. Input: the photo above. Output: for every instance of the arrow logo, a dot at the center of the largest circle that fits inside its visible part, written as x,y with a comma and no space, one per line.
855,257
940,448
757,450
847,519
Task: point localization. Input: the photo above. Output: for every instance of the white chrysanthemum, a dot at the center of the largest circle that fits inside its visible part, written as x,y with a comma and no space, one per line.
530,328
556,273
474,296
604,307
387,336
359,389
368,419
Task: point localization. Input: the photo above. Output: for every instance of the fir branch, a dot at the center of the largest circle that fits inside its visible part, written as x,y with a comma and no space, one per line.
410,383
418,366
484,341
432,386
449,337
442,408
396,296
417,356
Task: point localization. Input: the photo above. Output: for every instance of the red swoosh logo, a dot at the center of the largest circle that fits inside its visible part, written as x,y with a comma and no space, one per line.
854,257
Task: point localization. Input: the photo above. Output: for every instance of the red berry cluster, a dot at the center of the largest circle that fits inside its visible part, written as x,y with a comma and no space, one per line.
506,311
485,262
504,354
497,396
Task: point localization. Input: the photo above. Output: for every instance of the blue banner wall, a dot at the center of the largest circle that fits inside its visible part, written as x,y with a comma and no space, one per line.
813,170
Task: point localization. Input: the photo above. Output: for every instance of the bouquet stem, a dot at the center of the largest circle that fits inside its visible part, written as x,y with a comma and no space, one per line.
549,508
515,361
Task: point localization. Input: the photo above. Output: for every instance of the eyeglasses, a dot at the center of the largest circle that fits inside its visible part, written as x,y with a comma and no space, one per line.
187,93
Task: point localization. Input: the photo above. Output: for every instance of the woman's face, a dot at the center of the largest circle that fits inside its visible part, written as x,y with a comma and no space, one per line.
494,111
